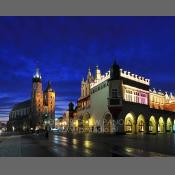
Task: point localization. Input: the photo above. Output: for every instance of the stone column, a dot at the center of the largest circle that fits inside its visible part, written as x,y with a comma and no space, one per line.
134,129
157,125
156,128
165,126
146,127
119,126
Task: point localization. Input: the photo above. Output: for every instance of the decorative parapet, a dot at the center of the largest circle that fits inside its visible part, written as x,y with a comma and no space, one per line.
124,74
101,80
134,77
158,92
169,97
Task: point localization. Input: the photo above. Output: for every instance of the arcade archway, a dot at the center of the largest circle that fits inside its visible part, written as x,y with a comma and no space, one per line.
129,125
92,124
86,118
80,124
152,125
161,125
140,124
169,125
107,123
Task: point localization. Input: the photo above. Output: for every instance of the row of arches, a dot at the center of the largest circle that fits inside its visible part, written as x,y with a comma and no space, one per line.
131,124
141,126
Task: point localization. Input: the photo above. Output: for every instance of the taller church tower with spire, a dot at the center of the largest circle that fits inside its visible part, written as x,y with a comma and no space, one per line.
37,104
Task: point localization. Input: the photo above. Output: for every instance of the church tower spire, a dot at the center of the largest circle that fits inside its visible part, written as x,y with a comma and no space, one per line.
89,72
89,75
97,73
115,71
37,76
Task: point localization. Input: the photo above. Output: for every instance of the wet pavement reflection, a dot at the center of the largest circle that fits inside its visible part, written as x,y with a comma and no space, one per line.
100,145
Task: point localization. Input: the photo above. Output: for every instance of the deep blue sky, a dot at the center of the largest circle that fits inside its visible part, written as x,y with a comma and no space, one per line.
64,47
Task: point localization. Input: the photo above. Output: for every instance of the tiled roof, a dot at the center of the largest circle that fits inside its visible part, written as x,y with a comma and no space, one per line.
22,105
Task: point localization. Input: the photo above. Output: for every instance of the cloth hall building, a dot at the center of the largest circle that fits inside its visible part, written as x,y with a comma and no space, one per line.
122,102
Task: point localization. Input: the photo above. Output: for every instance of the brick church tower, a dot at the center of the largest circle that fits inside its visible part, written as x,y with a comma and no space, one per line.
37,101
49,104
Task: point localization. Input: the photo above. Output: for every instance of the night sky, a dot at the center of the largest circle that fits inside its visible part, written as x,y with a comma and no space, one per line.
64,47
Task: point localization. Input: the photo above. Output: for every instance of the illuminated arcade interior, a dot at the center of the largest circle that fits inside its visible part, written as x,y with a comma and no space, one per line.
135,124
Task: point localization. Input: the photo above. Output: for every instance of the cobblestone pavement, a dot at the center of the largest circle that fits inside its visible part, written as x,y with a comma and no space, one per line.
21,146
87,145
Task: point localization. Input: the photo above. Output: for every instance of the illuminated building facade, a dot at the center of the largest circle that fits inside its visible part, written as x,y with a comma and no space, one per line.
122,102
66,122
36,113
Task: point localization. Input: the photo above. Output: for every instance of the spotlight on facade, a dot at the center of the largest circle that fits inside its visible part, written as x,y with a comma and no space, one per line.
87,121
13,128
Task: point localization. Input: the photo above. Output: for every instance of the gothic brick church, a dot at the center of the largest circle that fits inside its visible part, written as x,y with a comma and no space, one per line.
37,112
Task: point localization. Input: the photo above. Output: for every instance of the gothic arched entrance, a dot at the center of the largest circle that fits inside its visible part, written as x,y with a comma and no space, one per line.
108,123
169,125
80,124
129,125
161,125
86,118
140,124
152,125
